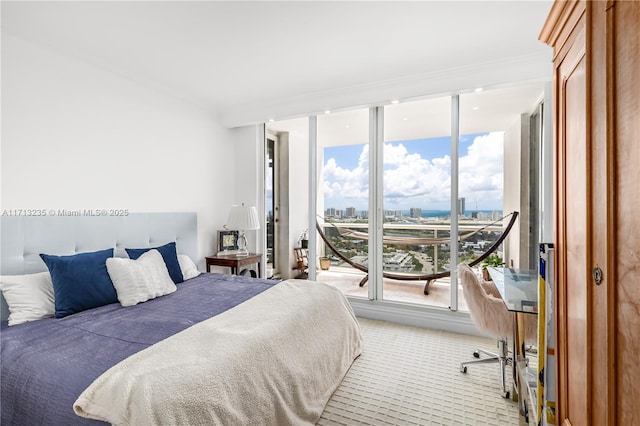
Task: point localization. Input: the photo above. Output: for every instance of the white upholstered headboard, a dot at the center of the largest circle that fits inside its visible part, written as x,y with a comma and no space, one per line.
23,238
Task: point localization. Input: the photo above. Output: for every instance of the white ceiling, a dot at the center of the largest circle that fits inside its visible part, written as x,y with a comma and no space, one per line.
240,56
485,111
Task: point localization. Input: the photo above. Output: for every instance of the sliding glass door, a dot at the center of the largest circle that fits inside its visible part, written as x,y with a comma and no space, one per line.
343,200
417,201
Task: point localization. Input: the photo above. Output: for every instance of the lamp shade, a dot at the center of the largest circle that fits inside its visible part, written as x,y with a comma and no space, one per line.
243,218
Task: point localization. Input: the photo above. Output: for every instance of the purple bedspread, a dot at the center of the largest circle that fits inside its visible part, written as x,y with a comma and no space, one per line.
47,364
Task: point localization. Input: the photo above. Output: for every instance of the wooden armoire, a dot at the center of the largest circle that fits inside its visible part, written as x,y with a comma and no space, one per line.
597,212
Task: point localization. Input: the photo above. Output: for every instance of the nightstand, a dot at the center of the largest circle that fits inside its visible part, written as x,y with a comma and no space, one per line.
234,262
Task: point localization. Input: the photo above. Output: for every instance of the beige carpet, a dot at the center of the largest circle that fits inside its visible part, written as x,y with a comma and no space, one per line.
410,376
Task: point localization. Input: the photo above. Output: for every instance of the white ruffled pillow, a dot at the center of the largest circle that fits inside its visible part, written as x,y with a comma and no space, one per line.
140,280
189,269
30,296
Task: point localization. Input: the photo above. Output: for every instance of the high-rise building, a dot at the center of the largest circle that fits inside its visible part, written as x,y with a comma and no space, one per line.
351,212
393,213
461,202
415,212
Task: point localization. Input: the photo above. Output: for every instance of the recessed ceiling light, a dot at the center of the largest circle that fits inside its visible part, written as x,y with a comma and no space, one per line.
476,108
478,89
395,101
405,119
347,126
327,111
271,120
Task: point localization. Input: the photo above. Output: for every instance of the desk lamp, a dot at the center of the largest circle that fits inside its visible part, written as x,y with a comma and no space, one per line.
243,219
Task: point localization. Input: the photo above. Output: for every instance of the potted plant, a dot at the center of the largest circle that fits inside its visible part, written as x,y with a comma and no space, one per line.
303,240
325,263
492,260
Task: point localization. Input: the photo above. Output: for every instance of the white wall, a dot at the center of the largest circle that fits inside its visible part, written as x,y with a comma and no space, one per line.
298,188
247,181
75,136
512,184
545,184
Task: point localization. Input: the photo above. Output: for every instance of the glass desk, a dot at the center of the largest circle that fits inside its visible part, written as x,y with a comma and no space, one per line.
518,288
519,291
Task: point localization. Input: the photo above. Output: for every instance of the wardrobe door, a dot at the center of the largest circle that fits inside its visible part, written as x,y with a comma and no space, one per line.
571,222
597,135
566,31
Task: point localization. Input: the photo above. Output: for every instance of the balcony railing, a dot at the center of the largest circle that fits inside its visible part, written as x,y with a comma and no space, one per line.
432,256
425,258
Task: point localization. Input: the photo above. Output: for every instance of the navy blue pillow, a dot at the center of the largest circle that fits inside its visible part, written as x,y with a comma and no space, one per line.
170,256
80,281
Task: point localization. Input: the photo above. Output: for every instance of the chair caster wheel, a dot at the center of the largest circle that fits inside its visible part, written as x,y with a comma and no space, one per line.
476,354
463,369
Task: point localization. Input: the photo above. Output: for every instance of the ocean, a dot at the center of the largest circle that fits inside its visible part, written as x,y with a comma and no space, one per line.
447,213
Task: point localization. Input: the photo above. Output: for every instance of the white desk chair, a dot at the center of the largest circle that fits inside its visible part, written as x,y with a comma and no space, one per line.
490,314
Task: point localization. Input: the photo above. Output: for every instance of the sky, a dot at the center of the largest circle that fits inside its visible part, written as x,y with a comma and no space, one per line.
417,173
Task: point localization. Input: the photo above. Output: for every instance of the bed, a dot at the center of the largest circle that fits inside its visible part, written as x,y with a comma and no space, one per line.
219,349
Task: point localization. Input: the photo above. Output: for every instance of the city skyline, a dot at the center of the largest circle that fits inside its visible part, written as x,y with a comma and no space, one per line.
413,212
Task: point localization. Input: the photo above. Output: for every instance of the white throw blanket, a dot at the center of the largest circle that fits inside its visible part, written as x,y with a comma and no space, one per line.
272,360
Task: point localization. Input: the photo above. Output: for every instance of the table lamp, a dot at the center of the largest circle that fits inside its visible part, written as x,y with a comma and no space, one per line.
243,219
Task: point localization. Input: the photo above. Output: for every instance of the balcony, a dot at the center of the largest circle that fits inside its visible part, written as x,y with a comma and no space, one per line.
347,281
426,258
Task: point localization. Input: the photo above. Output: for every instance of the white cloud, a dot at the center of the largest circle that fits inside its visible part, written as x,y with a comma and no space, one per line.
341,182
412,181
414,176
481,171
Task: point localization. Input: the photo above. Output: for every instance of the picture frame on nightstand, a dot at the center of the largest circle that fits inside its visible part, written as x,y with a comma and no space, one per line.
227,241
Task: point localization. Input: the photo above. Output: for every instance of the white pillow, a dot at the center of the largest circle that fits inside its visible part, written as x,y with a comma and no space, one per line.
30,297
189,269
140,280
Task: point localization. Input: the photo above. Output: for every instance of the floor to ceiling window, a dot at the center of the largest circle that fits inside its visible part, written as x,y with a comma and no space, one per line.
499,168
343,199
416,185
424,177
481,176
